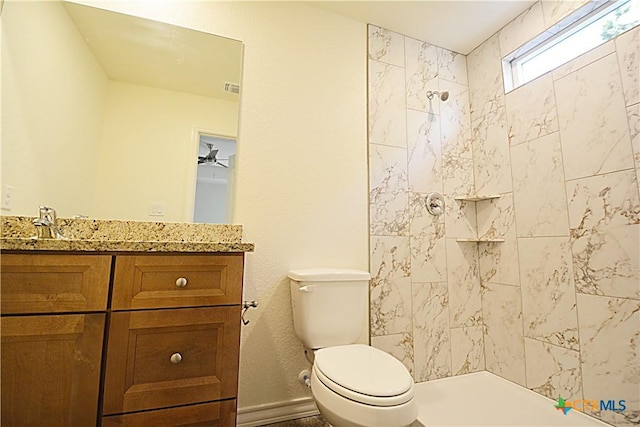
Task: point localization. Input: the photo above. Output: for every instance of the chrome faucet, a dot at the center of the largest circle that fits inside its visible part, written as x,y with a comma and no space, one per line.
47,225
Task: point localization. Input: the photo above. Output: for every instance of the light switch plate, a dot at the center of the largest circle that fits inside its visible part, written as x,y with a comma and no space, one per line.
157,209
7,197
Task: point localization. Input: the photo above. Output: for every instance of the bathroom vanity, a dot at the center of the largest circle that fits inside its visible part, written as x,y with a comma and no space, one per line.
106,328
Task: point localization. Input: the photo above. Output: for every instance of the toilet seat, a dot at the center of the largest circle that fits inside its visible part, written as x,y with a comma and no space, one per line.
364,374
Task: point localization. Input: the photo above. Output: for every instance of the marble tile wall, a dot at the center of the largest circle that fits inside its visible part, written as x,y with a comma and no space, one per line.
425,294
568,317
556,306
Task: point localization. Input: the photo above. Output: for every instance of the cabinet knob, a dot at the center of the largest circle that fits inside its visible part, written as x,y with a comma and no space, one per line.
181,282
176,358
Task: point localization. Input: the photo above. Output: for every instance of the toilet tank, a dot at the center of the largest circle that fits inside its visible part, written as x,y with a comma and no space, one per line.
329,305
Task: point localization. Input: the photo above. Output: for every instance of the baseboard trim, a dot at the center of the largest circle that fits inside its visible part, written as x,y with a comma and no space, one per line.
259,415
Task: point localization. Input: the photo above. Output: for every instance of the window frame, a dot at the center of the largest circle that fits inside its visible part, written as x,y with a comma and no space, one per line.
568,27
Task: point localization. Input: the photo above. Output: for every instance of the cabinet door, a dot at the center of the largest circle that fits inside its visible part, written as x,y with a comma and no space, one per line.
162,358
51,369
167,281
41,283
214,414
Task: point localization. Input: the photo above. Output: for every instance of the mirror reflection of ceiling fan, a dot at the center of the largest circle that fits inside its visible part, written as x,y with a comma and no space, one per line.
211,157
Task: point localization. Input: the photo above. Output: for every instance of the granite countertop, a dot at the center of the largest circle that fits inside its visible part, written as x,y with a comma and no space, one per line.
92,235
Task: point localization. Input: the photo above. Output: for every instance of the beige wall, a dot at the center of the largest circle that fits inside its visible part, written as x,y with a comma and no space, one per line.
148,150
301,190
39,145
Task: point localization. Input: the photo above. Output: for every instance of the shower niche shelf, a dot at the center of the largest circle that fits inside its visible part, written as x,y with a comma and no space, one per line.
478,198
480,240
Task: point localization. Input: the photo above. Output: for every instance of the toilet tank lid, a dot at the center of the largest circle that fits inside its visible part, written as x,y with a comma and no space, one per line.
328,275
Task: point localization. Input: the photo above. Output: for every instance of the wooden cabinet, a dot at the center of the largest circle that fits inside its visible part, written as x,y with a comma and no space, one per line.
172,335
51,362
163,358
158,281
214,414
51,369
38,283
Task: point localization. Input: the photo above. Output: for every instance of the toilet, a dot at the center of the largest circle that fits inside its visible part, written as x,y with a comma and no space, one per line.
353,385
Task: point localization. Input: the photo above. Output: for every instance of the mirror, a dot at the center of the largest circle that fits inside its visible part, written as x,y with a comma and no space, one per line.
103,113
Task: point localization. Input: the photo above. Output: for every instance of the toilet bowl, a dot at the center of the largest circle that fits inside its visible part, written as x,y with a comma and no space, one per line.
361,386
353,385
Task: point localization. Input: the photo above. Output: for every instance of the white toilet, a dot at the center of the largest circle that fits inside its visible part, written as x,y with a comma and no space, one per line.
353,385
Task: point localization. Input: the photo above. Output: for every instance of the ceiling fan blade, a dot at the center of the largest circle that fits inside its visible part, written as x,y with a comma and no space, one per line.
211,157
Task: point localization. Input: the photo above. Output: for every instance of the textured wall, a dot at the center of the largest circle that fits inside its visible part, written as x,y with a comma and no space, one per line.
555,307
40,150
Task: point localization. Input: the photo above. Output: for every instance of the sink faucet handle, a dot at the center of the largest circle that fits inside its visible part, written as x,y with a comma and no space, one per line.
46,211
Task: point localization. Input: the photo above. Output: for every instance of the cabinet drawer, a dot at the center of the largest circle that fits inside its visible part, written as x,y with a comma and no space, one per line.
39,283
157,281
163,358
214,414
51,369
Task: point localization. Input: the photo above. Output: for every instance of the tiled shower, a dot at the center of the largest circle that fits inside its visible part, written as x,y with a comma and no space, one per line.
555,307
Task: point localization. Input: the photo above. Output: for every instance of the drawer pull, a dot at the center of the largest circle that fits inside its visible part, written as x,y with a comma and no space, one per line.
181,282
176,358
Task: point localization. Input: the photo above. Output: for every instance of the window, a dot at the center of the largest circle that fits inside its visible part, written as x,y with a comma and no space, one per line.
578,33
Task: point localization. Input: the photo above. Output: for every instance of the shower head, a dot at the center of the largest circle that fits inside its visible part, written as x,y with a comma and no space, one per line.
444,95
